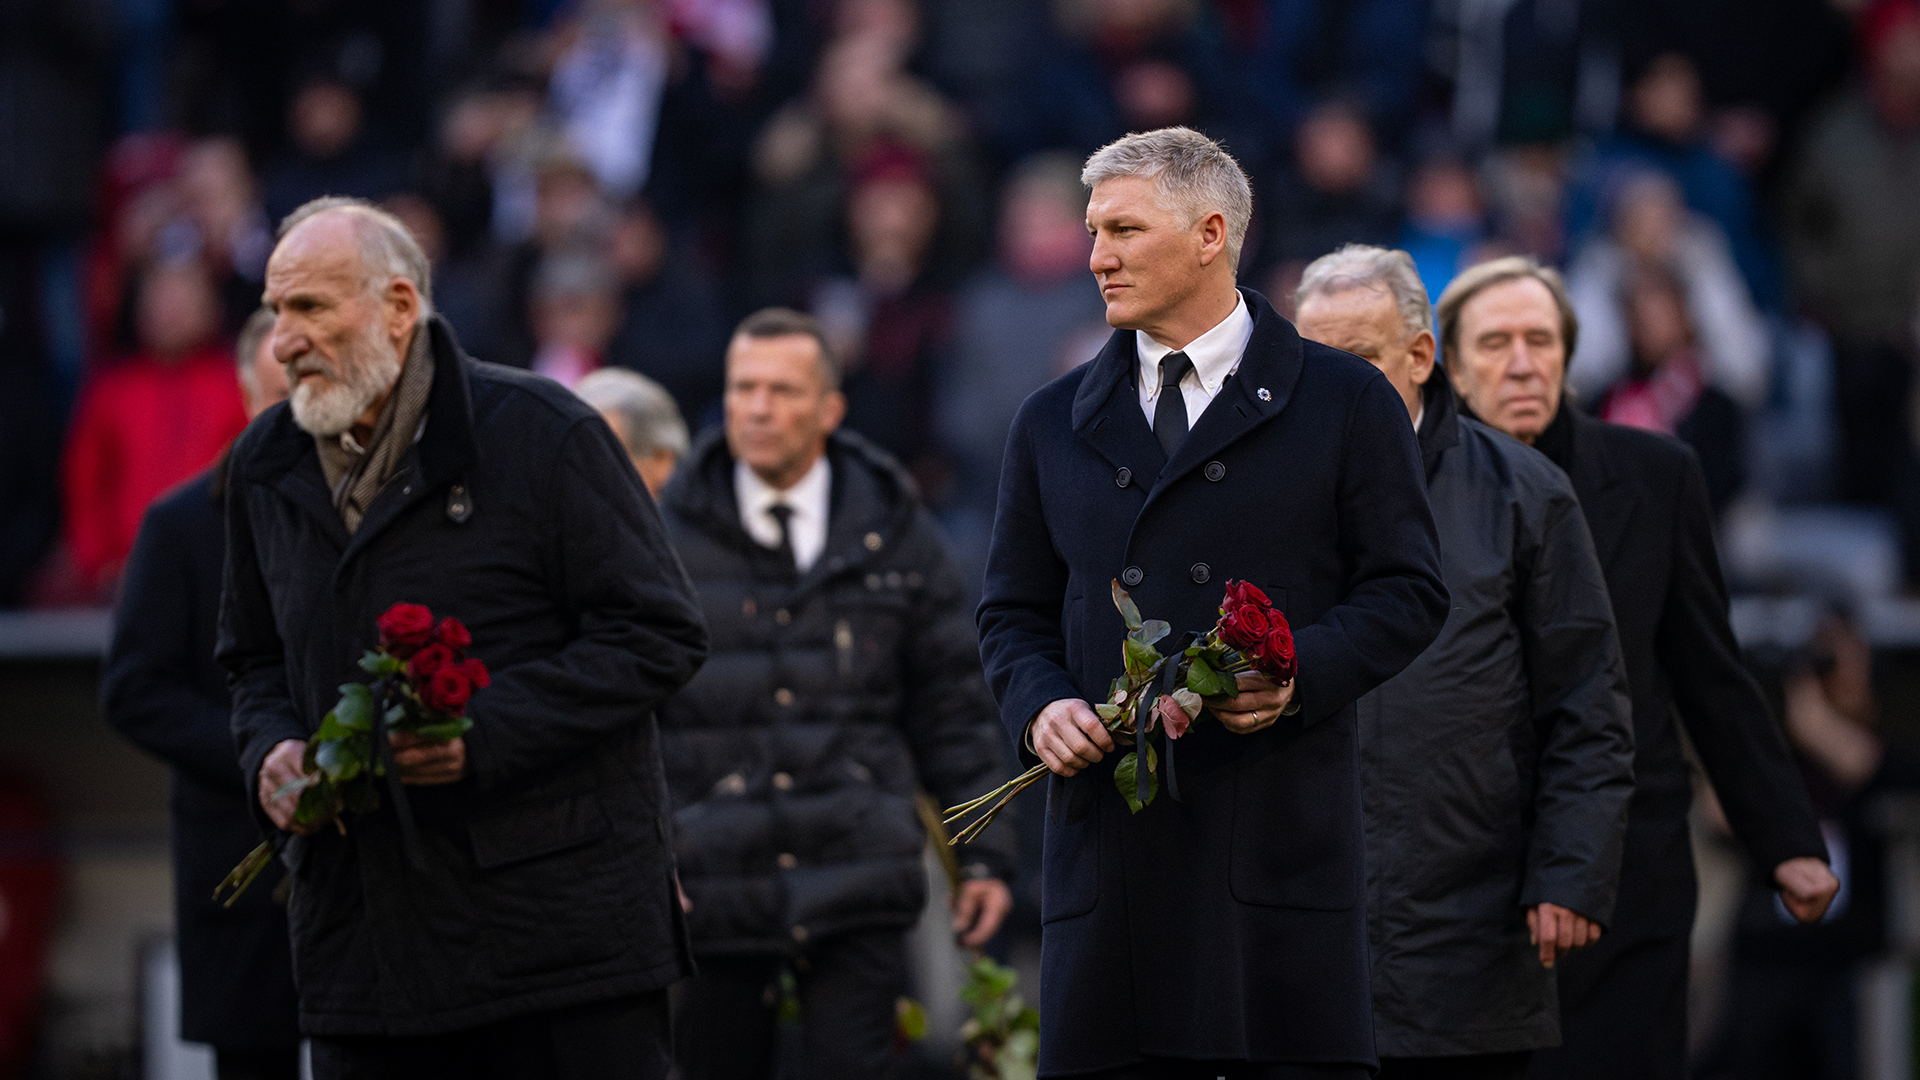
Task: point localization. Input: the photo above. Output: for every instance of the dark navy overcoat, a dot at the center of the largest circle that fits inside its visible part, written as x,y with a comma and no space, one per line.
1229,925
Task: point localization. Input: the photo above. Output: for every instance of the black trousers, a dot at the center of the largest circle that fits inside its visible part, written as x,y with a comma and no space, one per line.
725,1019
1509,1066
622,1039
282,1063
1623,1011
1159,1068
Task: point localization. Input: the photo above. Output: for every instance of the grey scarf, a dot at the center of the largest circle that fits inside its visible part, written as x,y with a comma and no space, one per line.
356,474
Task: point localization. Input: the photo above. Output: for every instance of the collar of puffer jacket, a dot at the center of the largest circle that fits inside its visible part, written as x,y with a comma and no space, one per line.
1440,423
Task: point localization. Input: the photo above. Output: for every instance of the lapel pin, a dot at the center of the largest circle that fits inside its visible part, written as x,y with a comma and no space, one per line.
1264,396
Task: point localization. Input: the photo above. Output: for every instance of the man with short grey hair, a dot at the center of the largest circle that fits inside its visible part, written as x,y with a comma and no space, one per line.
508,908
1525,677
643,417
1221,930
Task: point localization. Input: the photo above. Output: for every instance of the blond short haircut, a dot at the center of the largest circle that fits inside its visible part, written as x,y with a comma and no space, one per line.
1193,175
1362,266
1477,279
387,247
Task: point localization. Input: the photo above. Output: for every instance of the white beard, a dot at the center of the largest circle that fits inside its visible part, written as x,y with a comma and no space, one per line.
329,406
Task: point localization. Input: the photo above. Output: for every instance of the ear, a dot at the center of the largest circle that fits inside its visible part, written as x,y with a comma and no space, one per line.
1212,232
403,309
1420,352
833,409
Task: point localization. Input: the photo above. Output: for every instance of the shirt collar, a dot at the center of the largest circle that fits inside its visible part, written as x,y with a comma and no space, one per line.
1215,354
808,495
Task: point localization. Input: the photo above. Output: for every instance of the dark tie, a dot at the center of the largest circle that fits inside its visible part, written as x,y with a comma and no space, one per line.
783,515
1170,412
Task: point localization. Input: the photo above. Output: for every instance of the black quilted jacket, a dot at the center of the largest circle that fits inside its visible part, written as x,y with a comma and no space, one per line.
829,697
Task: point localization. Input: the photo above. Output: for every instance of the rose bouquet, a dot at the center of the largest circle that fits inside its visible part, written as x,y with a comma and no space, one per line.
422,681
1160,694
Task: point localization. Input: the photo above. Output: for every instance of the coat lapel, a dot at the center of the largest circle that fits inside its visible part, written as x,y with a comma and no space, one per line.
1106,411
1608,498
1257,392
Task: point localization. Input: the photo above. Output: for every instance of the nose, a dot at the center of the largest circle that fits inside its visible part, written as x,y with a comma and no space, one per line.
1103,260
289,343
1523,364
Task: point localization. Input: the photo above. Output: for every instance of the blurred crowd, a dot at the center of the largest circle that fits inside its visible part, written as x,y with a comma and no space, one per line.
1731,186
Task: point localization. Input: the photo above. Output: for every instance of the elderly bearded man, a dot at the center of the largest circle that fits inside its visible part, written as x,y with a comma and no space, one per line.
1496,769
1224,934
1507,329
527,927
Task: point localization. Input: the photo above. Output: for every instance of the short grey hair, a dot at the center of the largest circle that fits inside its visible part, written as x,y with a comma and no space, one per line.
387,247
247,346
1363,266
651,420
1192,173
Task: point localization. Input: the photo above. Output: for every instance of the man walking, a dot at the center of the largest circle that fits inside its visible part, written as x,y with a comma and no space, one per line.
1507,329
161,689
1223,934
1497,767
528,927
844,676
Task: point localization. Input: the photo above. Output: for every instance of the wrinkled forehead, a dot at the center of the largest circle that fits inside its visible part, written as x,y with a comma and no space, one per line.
1128,196
1519,305
320,252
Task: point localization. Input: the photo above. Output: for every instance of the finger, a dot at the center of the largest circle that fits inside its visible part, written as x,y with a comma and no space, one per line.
965,908
1089,724
1050,755
992,912
1533,926
1076,747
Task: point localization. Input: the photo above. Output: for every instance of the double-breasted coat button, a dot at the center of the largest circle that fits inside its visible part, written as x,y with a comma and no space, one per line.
1123,477
787,860
1201,572
1133,575
783,696
783,616
1216,472
782,781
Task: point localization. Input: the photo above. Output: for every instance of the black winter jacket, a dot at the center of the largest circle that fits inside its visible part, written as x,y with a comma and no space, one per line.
1496,769
831,696
548,871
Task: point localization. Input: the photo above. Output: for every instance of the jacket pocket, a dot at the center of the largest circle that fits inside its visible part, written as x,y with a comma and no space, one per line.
551,888
526,832
1296,838
1070,857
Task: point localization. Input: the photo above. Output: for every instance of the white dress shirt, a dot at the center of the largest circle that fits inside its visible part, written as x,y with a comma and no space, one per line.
1215,355
807,528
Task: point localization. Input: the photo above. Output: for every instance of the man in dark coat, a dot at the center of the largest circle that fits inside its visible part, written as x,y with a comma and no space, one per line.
526,926
161,689
844,676
1224,934
1496,768
1506,328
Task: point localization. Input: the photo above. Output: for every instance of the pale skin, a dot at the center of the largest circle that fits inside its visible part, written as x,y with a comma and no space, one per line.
655,469
322,298
779,411
1510,364
1175,282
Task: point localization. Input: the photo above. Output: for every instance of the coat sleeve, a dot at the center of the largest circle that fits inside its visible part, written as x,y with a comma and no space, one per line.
1743,749
1582,715
1394,601
948,716
147,688
250,646
1022,645
641,634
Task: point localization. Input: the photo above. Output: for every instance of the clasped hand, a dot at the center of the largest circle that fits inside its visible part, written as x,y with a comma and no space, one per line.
420,761
1069,736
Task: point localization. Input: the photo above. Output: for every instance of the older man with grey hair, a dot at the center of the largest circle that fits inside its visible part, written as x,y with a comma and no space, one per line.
507,909
1496,769
1221,930
643,417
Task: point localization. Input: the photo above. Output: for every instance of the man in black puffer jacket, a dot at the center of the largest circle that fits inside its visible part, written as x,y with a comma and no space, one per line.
844,675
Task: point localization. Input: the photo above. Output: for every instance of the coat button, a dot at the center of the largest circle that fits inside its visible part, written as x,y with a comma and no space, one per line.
782,782
1201,573
1216,471
783,696
800,934
1133,575
783,616
1123,477
787,860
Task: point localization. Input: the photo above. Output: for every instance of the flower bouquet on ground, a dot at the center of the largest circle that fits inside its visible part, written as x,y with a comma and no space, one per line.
422,681
1159,695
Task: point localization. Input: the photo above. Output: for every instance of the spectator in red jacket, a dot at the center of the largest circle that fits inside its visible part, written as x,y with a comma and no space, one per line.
148,422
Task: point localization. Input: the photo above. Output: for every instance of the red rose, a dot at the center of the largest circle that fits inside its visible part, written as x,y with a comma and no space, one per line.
453,634
1276,653
404,628
428,660
476,673
1244,626
448,691
1245,592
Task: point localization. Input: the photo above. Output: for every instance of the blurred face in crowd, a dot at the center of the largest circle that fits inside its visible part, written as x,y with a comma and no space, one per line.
1657,322
341,333
1648,216
1336,151
1152,267
779,409
1042,237
1364,321
1894,69
891,222
1444,196
1510,359
266,383
656,468
637,245
583,319
325,118
1667,101
178,312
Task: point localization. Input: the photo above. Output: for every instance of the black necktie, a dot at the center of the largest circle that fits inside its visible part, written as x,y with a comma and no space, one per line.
1170,412
783,515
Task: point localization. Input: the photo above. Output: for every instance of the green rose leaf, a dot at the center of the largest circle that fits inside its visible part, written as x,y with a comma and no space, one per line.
316,802
446,731
355,709
910,1020
376,662
1129,610
1189,702
337,758
1127,778
1107,712
1140,659
1206,682
1150,632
